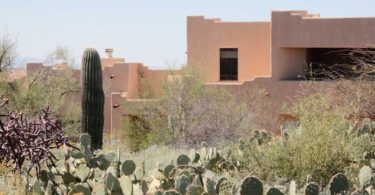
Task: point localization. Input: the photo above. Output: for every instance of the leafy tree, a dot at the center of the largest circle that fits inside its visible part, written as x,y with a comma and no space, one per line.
51,86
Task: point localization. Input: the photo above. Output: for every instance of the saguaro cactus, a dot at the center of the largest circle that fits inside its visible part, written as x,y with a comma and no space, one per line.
92,97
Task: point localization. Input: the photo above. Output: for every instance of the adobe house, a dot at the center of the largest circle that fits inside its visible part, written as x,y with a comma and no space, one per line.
272,55
280,49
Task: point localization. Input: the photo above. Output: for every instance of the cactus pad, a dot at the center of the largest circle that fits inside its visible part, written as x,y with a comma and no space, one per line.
128,167
111,182
209,185
338,184
37,188
194,190
181,183
126,185
77,154
183,160
102,162
274,191
312,188
85,140
251,185
365,176
83,172
99,189
167,170
83,189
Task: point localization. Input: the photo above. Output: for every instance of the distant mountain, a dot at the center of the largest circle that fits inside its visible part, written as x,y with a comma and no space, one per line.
21,62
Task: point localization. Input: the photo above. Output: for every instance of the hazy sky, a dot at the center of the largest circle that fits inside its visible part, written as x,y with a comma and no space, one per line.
148,31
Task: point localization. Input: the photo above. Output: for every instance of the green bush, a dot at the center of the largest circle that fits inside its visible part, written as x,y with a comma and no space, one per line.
320,146
137,133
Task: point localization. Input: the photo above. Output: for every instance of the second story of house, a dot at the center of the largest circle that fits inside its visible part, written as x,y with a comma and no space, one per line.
229,51
280,49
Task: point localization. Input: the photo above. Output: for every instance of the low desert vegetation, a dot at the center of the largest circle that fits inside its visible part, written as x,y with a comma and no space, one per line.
54,87
188,112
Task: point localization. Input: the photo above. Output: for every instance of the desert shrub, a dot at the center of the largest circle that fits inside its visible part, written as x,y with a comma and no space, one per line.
139,134
189,112
144,124
56,89
320,146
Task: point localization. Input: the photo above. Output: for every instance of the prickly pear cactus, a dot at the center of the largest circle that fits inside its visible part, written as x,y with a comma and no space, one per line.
128,167
223,186
81,189
83,172
183,160
209,186
312,188
194,190
85,140
274,191
102,162
111,182
338,184
250,185
171,192
37,188
99,189
365,176
138,173
167,170
126,185
181,184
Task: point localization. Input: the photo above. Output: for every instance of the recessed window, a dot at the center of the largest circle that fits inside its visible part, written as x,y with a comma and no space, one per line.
228,64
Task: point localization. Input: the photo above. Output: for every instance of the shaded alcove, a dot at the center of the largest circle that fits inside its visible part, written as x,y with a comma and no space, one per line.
333,63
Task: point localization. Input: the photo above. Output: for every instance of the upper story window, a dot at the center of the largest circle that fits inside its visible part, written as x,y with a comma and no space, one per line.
228,64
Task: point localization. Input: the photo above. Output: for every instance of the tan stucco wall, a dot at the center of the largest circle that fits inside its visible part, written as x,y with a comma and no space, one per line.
205,37
110,61
294,31
13,74
126,78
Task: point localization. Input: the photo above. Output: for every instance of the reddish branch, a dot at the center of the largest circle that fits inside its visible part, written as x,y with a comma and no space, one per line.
23,139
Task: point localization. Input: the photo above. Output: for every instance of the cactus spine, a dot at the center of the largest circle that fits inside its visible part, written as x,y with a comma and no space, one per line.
92,97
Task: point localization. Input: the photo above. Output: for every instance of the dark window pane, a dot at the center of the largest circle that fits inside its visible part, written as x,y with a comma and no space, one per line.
228,64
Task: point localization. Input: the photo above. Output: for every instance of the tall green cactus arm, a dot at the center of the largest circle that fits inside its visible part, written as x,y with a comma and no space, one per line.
92,97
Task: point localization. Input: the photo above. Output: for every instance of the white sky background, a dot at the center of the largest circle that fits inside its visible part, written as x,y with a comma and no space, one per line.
148,31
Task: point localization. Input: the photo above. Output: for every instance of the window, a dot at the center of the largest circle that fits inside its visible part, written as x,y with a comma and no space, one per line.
229,64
